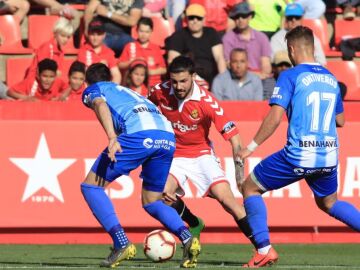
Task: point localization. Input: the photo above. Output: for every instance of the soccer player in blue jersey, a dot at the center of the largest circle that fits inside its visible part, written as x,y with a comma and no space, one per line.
138,134
310,96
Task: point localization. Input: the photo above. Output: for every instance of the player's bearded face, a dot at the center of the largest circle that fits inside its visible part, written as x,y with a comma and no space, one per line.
182,84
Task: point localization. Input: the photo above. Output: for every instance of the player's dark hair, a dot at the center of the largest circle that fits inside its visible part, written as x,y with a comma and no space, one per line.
181,64
145,21
77,66
98,72
47,64
300,33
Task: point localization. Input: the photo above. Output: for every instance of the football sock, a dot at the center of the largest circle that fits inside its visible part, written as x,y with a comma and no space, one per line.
185,213
169,218
257,217
244,226
119,237
103,209
346,213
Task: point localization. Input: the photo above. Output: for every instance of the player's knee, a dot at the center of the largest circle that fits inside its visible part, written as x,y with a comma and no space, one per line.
325,204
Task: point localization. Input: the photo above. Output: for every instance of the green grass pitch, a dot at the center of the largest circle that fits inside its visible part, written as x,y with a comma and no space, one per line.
292,256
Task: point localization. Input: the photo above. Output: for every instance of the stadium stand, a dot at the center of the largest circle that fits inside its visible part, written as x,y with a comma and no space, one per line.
20,64
10,31
346,29
347,72
163,28
38,37
320,29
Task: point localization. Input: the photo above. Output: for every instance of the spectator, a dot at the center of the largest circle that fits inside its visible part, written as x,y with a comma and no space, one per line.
3,91
18,8
76,86
268,14
254,42
153,8
313,9
118,17
349,47
237,83
45,86
136,77
95,51
217,13
52,49
63,10
143,48
281,63
200,43
293,17
348,6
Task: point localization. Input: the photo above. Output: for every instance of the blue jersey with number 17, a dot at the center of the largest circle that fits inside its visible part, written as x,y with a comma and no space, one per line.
311,97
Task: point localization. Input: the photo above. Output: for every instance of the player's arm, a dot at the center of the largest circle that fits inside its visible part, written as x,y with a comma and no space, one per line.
340,120
267,128
102,112
236,145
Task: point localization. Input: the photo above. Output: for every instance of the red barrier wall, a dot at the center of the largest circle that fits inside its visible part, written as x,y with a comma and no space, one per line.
47,149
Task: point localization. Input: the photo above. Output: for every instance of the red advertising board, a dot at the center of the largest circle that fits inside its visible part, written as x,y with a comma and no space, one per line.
43,162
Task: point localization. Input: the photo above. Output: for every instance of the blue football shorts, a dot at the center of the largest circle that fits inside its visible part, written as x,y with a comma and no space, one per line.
152,149
275,172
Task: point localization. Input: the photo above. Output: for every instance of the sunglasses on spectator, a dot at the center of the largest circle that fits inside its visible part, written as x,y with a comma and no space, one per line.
242,16
191,18
290,18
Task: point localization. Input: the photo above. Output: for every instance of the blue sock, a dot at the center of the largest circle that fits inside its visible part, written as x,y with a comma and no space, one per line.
346,213
169,218
103,209
257,217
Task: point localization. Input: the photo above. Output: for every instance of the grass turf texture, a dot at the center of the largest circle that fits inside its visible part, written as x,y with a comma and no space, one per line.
294,256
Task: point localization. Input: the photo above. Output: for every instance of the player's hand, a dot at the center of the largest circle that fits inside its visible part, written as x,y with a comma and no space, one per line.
239,172
169,197
114,146
244,153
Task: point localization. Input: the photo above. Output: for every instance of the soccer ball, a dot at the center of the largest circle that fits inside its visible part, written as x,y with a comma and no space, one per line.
159,246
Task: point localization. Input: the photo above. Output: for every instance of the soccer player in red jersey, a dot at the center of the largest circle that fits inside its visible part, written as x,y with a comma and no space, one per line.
191,109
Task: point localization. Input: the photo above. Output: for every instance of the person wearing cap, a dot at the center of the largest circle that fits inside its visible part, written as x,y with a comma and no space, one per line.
238,83
254,42
118,18
144,49
217,13
200,43
293,17
95,51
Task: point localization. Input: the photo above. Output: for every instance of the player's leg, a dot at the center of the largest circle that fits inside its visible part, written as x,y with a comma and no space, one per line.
265,177
324,188
154,173
221,191
171,191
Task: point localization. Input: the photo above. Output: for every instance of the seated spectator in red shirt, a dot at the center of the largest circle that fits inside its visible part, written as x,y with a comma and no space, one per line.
52,49
143,48
76,85
136,77
44,86
95,51
18,8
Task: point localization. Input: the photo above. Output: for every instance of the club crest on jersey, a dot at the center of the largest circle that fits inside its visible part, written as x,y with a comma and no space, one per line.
194,114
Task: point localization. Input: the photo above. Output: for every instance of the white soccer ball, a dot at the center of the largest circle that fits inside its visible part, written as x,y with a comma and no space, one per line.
159,246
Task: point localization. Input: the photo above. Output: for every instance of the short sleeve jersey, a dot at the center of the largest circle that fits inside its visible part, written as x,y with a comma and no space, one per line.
311,97
192,118
130,111
88,56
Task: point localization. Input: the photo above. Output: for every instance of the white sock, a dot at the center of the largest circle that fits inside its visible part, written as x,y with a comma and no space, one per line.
264,250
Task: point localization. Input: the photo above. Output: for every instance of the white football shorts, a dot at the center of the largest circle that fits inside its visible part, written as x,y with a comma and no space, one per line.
203,172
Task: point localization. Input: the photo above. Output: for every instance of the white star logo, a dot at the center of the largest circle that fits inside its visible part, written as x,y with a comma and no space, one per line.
43,171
